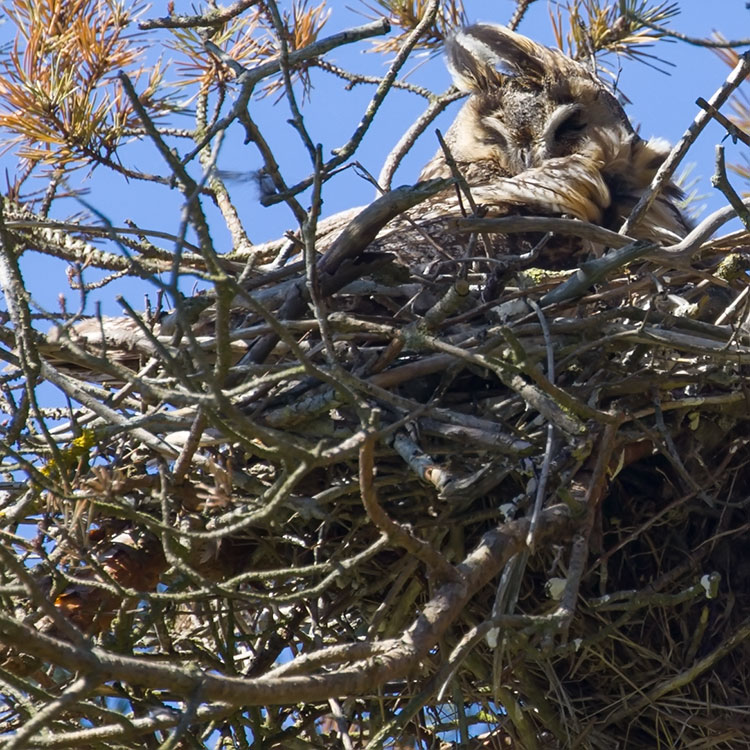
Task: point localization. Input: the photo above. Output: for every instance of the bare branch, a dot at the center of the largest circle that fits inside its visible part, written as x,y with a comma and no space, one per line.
213,17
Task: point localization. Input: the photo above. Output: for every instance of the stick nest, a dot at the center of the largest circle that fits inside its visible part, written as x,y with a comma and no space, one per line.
302,457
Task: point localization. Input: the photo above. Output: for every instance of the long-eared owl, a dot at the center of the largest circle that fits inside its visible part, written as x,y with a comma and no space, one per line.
542,135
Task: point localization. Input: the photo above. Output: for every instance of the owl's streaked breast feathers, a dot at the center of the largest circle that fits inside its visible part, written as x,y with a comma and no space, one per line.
541,134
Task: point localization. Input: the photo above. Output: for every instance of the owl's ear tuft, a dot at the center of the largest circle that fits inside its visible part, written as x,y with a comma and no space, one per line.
480,57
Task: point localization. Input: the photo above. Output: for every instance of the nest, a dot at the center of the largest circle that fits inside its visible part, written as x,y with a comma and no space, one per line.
381,423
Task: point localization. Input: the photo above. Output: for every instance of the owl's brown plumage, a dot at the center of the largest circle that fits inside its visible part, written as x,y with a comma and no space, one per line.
541,135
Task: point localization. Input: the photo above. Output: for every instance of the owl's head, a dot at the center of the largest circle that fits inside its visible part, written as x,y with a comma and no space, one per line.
529,103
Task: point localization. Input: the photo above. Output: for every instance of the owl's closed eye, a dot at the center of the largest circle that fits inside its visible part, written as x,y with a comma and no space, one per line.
541,134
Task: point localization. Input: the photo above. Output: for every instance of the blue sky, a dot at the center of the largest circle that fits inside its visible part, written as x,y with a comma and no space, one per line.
661,105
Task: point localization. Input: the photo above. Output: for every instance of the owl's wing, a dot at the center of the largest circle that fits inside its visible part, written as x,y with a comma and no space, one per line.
571,185
575,186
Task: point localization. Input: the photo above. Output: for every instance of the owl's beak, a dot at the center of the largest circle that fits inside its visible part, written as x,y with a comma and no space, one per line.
526,157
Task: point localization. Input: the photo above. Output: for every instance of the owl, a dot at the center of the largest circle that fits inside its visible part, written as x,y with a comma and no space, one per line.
541,135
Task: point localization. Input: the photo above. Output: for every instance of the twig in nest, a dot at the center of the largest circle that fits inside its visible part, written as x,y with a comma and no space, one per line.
596,487
550,444
692,244
512,224
395,531
462,185
595,270
454,301
720,181
422,464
